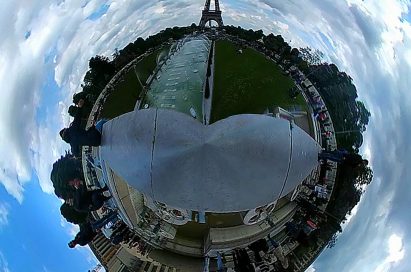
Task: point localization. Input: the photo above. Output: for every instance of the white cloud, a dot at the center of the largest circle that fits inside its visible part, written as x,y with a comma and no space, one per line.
70,229
310,269
62,30
4,214
4,266
395,248
395,252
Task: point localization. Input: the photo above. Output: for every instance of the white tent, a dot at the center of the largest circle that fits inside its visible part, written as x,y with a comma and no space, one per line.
236,164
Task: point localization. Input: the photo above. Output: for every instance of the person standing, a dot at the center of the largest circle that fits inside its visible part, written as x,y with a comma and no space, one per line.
77,137
85,200
220,263
335,155
343,156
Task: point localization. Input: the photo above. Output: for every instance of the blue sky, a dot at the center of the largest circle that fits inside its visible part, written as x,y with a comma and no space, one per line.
34,237
45,46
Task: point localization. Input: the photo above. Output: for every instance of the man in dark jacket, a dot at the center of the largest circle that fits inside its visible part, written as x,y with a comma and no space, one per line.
343,156
84,236
86,201
77,136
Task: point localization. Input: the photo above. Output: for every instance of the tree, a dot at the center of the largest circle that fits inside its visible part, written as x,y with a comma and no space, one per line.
65,169
313,57
365,176
363,116
332,241
78,96
350,116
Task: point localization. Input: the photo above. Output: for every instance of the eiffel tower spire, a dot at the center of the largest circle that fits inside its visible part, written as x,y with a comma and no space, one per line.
211,15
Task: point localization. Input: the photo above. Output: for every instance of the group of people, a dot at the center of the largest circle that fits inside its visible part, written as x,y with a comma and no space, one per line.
68,178
79,200
121,233
260,256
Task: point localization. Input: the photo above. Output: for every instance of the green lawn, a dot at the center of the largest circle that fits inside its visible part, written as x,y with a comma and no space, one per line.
124,97
147,65
248,83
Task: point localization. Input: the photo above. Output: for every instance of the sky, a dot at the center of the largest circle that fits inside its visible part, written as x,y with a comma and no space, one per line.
45,46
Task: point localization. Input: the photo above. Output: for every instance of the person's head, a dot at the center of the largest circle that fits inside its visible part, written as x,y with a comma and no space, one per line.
72,110
76,183
64,136
72,244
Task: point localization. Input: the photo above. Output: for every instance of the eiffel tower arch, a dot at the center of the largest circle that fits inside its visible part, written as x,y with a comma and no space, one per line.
211,15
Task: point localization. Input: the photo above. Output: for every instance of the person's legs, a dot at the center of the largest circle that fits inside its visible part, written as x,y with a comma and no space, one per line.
98,199
206,264
273,243
101,190
328,155
220,264
103,221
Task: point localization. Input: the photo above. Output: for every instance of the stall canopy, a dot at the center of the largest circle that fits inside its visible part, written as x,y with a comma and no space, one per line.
235,164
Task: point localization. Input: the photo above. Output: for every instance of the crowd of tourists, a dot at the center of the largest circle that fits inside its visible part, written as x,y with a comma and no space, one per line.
87,205
263,255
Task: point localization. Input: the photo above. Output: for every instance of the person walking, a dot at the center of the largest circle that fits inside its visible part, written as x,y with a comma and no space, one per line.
343,156
220,263
86,201
335,155
112,216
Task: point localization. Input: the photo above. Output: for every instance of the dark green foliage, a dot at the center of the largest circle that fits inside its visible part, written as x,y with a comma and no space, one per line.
313,57
248,35
276,44
65,169
141,46
102,69
73,216
78,96
340,95
348,189
100,72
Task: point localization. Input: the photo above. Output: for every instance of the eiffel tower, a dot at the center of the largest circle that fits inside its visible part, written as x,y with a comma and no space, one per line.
211,15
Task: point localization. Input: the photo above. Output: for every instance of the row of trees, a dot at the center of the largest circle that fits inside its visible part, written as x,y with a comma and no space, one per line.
349,115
